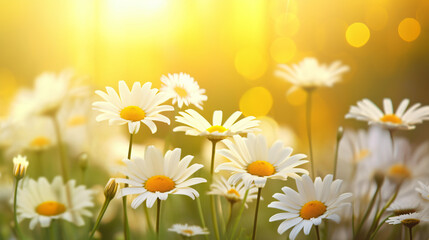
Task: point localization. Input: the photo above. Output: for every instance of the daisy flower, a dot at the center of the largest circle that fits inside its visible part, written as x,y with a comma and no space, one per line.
232,192
188,230
42,202
310,205
155,177
410,219
183,89
402,119
140,105
309,74
20,165
423,189
253,161
199,126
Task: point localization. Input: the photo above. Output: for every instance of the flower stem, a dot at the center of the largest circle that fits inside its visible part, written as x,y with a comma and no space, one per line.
149,222
237,220
200,212
15,215
368,210
214,142
158,216
255,221
379,226
317,232
309,95
411,232
214,217
231,207
124,198
337,146
100,216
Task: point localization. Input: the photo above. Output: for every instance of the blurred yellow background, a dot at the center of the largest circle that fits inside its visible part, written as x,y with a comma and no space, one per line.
231,47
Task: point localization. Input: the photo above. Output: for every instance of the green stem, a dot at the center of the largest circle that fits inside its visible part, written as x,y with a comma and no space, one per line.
336,156
149,222
317,232
124,198
237,220
212,159
379,226
15,215
308,120
368,210
200,212
100,216
255,221
220,212
158,216
231,205
214,217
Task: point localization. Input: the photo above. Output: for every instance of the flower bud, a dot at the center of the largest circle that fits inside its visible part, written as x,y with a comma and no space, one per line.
340,133
111,189
83,161
20,165
379,178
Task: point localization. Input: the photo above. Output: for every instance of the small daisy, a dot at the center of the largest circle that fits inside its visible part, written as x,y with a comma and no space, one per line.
140,105
42,202
199,126
410,219
232,192
155,176
253,161
310,205
188,230
402,119
20,165
183,89
309,74
423,189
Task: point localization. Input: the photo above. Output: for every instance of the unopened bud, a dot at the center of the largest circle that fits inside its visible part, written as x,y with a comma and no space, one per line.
111,189
340,133
379,178
20,165
83,161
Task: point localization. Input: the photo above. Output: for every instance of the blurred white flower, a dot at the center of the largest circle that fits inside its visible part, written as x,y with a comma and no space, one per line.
423,189
188,230
41,202
183,89
402,119
310,205
140,105
233,192
309,74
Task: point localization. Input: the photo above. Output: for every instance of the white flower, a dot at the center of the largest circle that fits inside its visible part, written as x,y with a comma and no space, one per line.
253,161
155,177
423,189
309,74
20,165
199,126
140,105
233,192
310,205
402,119
183,89
410,219
42,202
188,230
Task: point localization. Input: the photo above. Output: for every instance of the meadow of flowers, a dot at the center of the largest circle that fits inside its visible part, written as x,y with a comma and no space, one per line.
378,188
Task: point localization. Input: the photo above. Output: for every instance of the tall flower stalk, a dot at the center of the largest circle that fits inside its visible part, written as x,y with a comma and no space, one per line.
308,121
124,198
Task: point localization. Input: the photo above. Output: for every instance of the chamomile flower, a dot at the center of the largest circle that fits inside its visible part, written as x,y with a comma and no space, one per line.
183,89
312,203
423,189
199,126
410,219
140,105
253,161
232,192
402,119
188,230
41,202
309,74
155,176
20,165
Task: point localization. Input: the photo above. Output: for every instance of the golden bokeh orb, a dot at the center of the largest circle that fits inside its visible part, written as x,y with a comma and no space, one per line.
409,29
283,49
251,63
256,101
357,34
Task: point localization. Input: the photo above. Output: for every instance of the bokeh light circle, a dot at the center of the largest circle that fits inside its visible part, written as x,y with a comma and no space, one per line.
409,29
357,34
256,102
251,63
283,49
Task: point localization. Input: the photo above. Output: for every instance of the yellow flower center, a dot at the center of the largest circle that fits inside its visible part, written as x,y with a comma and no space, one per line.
312,209
410,222
40,142
362,154
50,208
261,168
159,183
216,128
188,231
399,171
181,92
392,118
76,121
233,191
132,113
